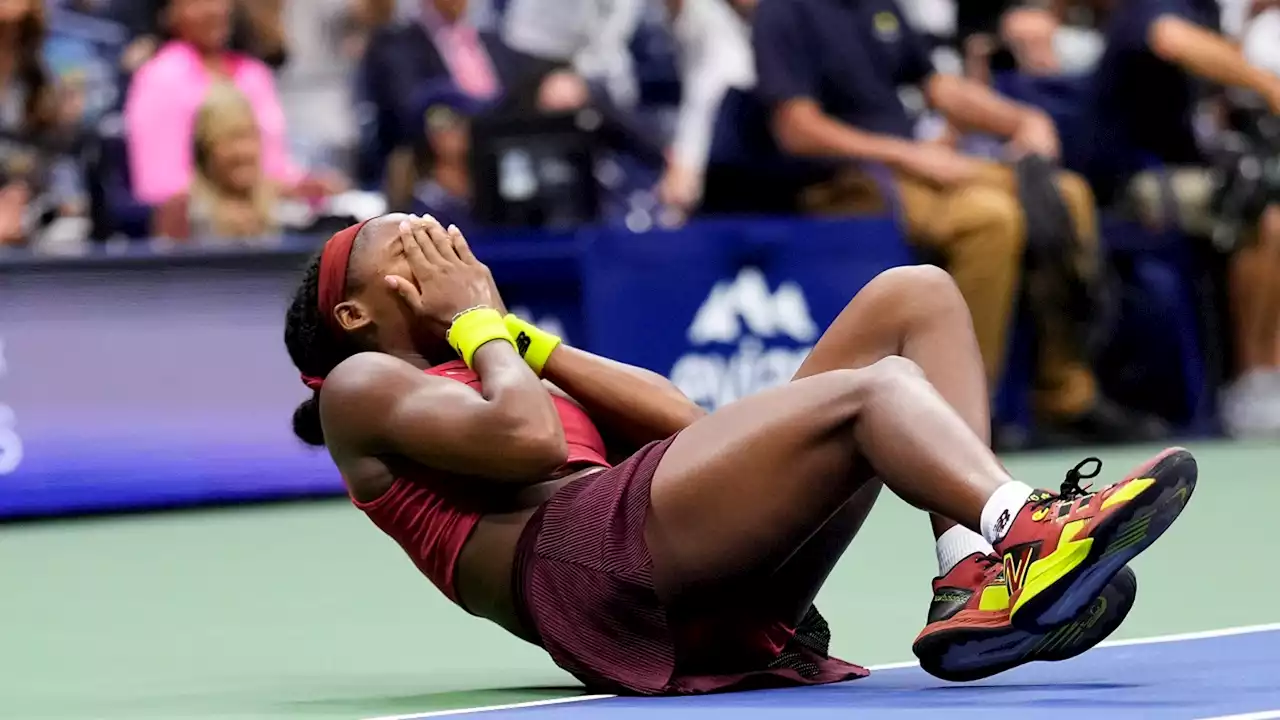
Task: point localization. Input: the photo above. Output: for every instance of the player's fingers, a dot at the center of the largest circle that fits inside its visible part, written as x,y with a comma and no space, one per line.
440,237
405,289
422,238
418,262
460,245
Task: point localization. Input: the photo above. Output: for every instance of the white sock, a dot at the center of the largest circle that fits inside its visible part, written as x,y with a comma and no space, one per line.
957,544
1001,508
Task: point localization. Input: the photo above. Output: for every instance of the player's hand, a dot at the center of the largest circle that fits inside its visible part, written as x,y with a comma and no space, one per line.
447,277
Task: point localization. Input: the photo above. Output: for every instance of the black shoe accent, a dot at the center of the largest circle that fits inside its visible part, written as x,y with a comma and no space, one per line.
947,601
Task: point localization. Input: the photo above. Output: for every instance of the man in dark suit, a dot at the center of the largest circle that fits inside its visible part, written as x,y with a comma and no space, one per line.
440,44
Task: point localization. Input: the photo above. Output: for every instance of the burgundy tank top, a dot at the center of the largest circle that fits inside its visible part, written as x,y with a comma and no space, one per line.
432,513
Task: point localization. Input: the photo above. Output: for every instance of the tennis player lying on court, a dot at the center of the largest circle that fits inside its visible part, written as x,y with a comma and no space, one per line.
590,508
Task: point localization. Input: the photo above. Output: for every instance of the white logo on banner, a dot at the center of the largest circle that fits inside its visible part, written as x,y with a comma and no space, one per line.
744,313
10,443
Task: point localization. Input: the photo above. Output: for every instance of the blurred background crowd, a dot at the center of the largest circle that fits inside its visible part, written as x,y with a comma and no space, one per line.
999,135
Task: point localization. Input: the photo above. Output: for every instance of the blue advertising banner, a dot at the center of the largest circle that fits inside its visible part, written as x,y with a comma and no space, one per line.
726,310
149,383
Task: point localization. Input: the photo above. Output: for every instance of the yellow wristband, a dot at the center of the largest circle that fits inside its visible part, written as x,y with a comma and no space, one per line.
532,342
473,328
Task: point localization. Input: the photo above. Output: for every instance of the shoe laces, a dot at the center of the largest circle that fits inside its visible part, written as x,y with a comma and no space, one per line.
988,561
1071,487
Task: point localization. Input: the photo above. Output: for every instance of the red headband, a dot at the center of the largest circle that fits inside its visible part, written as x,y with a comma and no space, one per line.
332,286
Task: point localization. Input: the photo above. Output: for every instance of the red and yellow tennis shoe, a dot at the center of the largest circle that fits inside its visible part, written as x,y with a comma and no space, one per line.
1061,550
969,636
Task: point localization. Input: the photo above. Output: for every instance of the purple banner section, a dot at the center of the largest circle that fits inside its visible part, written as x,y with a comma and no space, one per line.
147,385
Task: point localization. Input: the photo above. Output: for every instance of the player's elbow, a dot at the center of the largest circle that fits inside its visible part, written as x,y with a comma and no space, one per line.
539,448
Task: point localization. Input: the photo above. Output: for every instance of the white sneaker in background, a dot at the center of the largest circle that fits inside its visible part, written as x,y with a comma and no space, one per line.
1251,406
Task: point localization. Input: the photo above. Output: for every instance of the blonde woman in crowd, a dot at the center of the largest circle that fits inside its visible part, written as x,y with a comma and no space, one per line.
230,195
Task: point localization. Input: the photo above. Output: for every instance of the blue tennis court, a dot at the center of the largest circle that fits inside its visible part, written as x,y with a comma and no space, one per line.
1217,675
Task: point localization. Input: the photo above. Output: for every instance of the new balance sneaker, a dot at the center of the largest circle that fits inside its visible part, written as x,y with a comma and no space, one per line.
1061,550
969,636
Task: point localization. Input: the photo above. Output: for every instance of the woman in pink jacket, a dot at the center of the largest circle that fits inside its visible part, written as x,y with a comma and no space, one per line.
168,90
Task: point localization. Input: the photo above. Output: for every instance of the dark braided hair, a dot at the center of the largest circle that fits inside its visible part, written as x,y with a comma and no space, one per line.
313,348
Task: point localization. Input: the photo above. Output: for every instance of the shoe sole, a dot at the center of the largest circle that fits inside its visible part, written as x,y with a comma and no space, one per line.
1115,541
966,654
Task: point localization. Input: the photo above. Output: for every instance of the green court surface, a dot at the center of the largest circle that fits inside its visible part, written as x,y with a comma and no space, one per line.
306,610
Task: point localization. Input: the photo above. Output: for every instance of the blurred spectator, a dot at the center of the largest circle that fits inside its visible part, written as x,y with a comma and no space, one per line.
82,50
365,17
39,181
255,30
167,91
443,186
590,36
1008,35
1145,114
230,196
834,96
714,53
262,27
316,84
1036,38
440,44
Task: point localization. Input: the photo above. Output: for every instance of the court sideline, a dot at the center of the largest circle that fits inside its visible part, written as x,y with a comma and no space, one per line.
307,611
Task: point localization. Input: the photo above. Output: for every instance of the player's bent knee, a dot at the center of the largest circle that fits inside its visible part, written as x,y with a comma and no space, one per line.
882,379
889,373
897,367
921,282
914,289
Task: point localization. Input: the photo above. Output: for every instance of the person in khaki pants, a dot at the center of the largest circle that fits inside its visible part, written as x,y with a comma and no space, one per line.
979,228
830,70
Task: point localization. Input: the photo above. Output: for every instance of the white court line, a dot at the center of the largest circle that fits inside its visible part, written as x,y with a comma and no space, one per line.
494,708
1180,637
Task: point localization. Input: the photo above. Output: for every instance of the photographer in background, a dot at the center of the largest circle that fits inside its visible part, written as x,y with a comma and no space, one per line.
1144,114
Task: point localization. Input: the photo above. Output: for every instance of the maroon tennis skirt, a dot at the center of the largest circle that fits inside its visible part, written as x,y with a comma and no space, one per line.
584,583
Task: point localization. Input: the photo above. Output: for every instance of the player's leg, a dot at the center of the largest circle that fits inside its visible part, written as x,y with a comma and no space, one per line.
918,313
738,492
